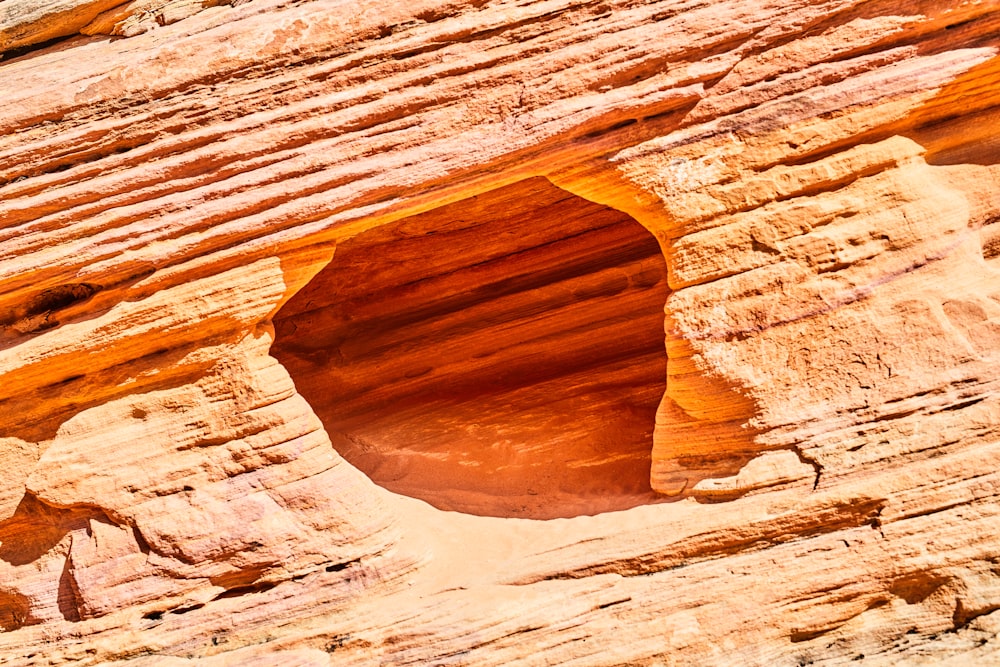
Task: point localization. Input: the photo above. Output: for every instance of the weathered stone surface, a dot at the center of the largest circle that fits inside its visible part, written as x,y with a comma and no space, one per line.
501,355
28,23
238,240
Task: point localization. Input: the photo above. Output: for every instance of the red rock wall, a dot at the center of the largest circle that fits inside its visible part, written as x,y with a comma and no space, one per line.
821,178
501,355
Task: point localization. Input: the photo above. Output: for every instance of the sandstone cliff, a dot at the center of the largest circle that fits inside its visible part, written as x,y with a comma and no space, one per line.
331,333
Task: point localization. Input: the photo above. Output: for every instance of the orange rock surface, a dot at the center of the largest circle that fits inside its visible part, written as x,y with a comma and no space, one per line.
501,355
333,333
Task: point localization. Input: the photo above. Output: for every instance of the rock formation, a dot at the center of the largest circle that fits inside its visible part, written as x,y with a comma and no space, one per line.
332,333
517,337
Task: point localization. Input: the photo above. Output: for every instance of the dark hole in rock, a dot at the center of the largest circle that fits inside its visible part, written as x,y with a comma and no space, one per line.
186,609
245,590
14,610
502,355
340,567
60,297
37,313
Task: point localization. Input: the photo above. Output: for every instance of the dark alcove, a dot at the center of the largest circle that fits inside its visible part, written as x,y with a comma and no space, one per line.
502,355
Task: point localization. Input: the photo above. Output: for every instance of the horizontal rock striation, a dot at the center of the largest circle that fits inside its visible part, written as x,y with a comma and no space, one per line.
178,179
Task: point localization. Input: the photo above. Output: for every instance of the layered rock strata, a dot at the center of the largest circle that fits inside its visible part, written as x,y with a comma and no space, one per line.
501,355
820,177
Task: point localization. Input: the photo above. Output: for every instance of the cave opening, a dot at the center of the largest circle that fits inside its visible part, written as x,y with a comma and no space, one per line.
502,355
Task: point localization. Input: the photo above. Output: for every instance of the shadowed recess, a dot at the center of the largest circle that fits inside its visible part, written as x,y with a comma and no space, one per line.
502,355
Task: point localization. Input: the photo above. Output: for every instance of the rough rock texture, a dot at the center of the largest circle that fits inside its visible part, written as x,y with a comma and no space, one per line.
237,240
501,355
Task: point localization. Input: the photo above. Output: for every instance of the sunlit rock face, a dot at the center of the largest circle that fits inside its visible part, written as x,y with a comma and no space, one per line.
501,355
243,240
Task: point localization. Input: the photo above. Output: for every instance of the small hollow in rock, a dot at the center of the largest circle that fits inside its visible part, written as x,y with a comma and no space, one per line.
502,355
14,610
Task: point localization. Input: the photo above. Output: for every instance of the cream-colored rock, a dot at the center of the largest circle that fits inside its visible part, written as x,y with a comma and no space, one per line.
28,23
20,459
820,176
768,469
134,18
